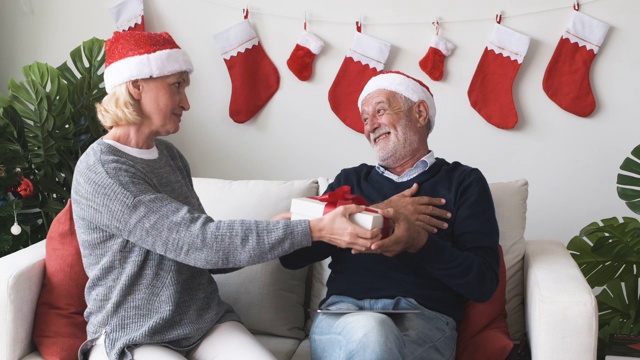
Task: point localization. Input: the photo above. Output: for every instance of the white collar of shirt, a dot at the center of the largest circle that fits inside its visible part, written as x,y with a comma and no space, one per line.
419,167
148,154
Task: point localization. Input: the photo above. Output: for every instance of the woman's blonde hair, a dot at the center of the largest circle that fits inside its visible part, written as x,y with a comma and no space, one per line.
117,108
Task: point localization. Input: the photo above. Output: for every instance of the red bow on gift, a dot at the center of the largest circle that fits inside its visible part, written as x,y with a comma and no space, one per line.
339,197
343,196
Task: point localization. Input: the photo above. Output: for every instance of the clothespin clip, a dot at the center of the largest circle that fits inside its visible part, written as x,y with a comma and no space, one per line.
245,12
576,5
436,23
359,25
499,17
305,20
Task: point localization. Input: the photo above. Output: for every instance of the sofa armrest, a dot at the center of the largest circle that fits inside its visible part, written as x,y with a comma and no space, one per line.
21,276
560,308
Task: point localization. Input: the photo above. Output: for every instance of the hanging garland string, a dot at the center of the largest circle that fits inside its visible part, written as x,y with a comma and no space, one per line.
307,18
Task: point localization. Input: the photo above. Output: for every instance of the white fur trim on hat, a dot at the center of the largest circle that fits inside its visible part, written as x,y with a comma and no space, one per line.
157,64
400,84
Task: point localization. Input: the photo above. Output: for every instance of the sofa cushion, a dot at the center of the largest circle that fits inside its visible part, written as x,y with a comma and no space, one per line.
268,298
483,333
510,201
59,327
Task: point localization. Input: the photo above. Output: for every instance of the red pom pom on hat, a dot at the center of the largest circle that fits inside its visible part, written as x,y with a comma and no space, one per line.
132,55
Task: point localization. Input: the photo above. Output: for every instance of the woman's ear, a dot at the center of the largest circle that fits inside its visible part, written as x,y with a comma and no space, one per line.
135,88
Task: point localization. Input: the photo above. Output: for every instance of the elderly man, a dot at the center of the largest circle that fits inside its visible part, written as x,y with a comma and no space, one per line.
412,289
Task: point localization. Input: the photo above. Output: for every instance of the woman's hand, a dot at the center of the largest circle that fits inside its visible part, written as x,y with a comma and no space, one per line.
337,229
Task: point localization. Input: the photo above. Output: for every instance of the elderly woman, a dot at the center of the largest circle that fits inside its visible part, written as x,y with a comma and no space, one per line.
147,245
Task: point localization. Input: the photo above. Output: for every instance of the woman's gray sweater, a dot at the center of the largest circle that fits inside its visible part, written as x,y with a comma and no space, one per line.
147,246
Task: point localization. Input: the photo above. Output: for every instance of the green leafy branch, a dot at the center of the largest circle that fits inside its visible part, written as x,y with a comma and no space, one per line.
608,254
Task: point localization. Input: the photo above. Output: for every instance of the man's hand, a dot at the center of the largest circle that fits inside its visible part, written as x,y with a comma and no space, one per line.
407,236
337,229
423,210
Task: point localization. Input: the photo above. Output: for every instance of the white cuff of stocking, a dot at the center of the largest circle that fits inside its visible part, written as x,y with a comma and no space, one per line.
442,44
369,50
312,42
235,39
127,13
586,31
509,43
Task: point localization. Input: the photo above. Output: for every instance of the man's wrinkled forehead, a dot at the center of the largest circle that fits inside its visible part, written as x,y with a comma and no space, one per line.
381,97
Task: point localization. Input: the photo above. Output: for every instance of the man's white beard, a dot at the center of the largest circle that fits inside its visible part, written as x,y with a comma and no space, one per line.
396,147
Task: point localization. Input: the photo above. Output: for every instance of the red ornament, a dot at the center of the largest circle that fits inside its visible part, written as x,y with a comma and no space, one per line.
24,190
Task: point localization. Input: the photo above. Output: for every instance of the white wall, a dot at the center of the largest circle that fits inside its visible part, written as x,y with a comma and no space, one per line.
571,163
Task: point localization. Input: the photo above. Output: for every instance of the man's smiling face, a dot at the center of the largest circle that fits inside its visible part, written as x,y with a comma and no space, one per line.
389,127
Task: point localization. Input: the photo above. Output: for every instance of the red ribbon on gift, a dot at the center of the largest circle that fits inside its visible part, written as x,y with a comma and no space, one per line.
343,196
339,197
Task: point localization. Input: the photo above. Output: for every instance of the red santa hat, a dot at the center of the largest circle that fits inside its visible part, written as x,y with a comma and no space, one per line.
132,55
402,84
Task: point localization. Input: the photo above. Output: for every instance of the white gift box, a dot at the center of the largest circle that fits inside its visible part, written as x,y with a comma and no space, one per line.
307,209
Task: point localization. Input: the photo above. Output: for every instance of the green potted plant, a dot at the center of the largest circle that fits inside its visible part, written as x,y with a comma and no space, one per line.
608,253
47,122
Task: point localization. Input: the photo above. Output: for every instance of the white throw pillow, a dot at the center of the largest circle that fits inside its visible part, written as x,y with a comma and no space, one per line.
510,201
268,297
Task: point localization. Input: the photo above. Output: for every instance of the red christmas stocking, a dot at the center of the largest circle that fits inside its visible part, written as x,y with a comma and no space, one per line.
566,80
490,91
254,77
365,58
300,61
128,15
433,62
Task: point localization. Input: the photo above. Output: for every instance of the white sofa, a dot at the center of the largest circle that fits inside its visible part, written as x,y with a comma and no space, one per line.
547,296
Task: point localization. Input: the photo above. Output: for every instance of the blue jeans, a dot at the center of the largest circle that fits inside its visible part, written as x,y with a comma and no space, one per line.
370,336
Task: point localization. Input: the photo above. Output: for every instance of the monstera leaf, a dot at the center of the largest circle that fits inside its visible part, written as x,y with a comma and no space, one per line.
620,300
41,102
618,305
607,250
50,117
608,254
629,184
85,79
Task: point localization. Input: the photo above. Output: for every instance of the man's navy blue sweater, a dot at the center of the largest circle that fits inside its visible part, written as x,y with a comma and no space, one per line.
456,264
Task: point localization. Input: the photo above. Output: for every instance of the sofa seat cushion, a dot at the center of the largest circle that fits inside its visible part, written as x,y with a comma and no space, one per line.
281,347
268,297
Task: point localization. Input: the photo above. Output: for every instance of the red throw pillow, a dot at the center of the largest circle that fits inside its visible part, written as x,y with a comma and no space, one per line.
59,327
483,333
